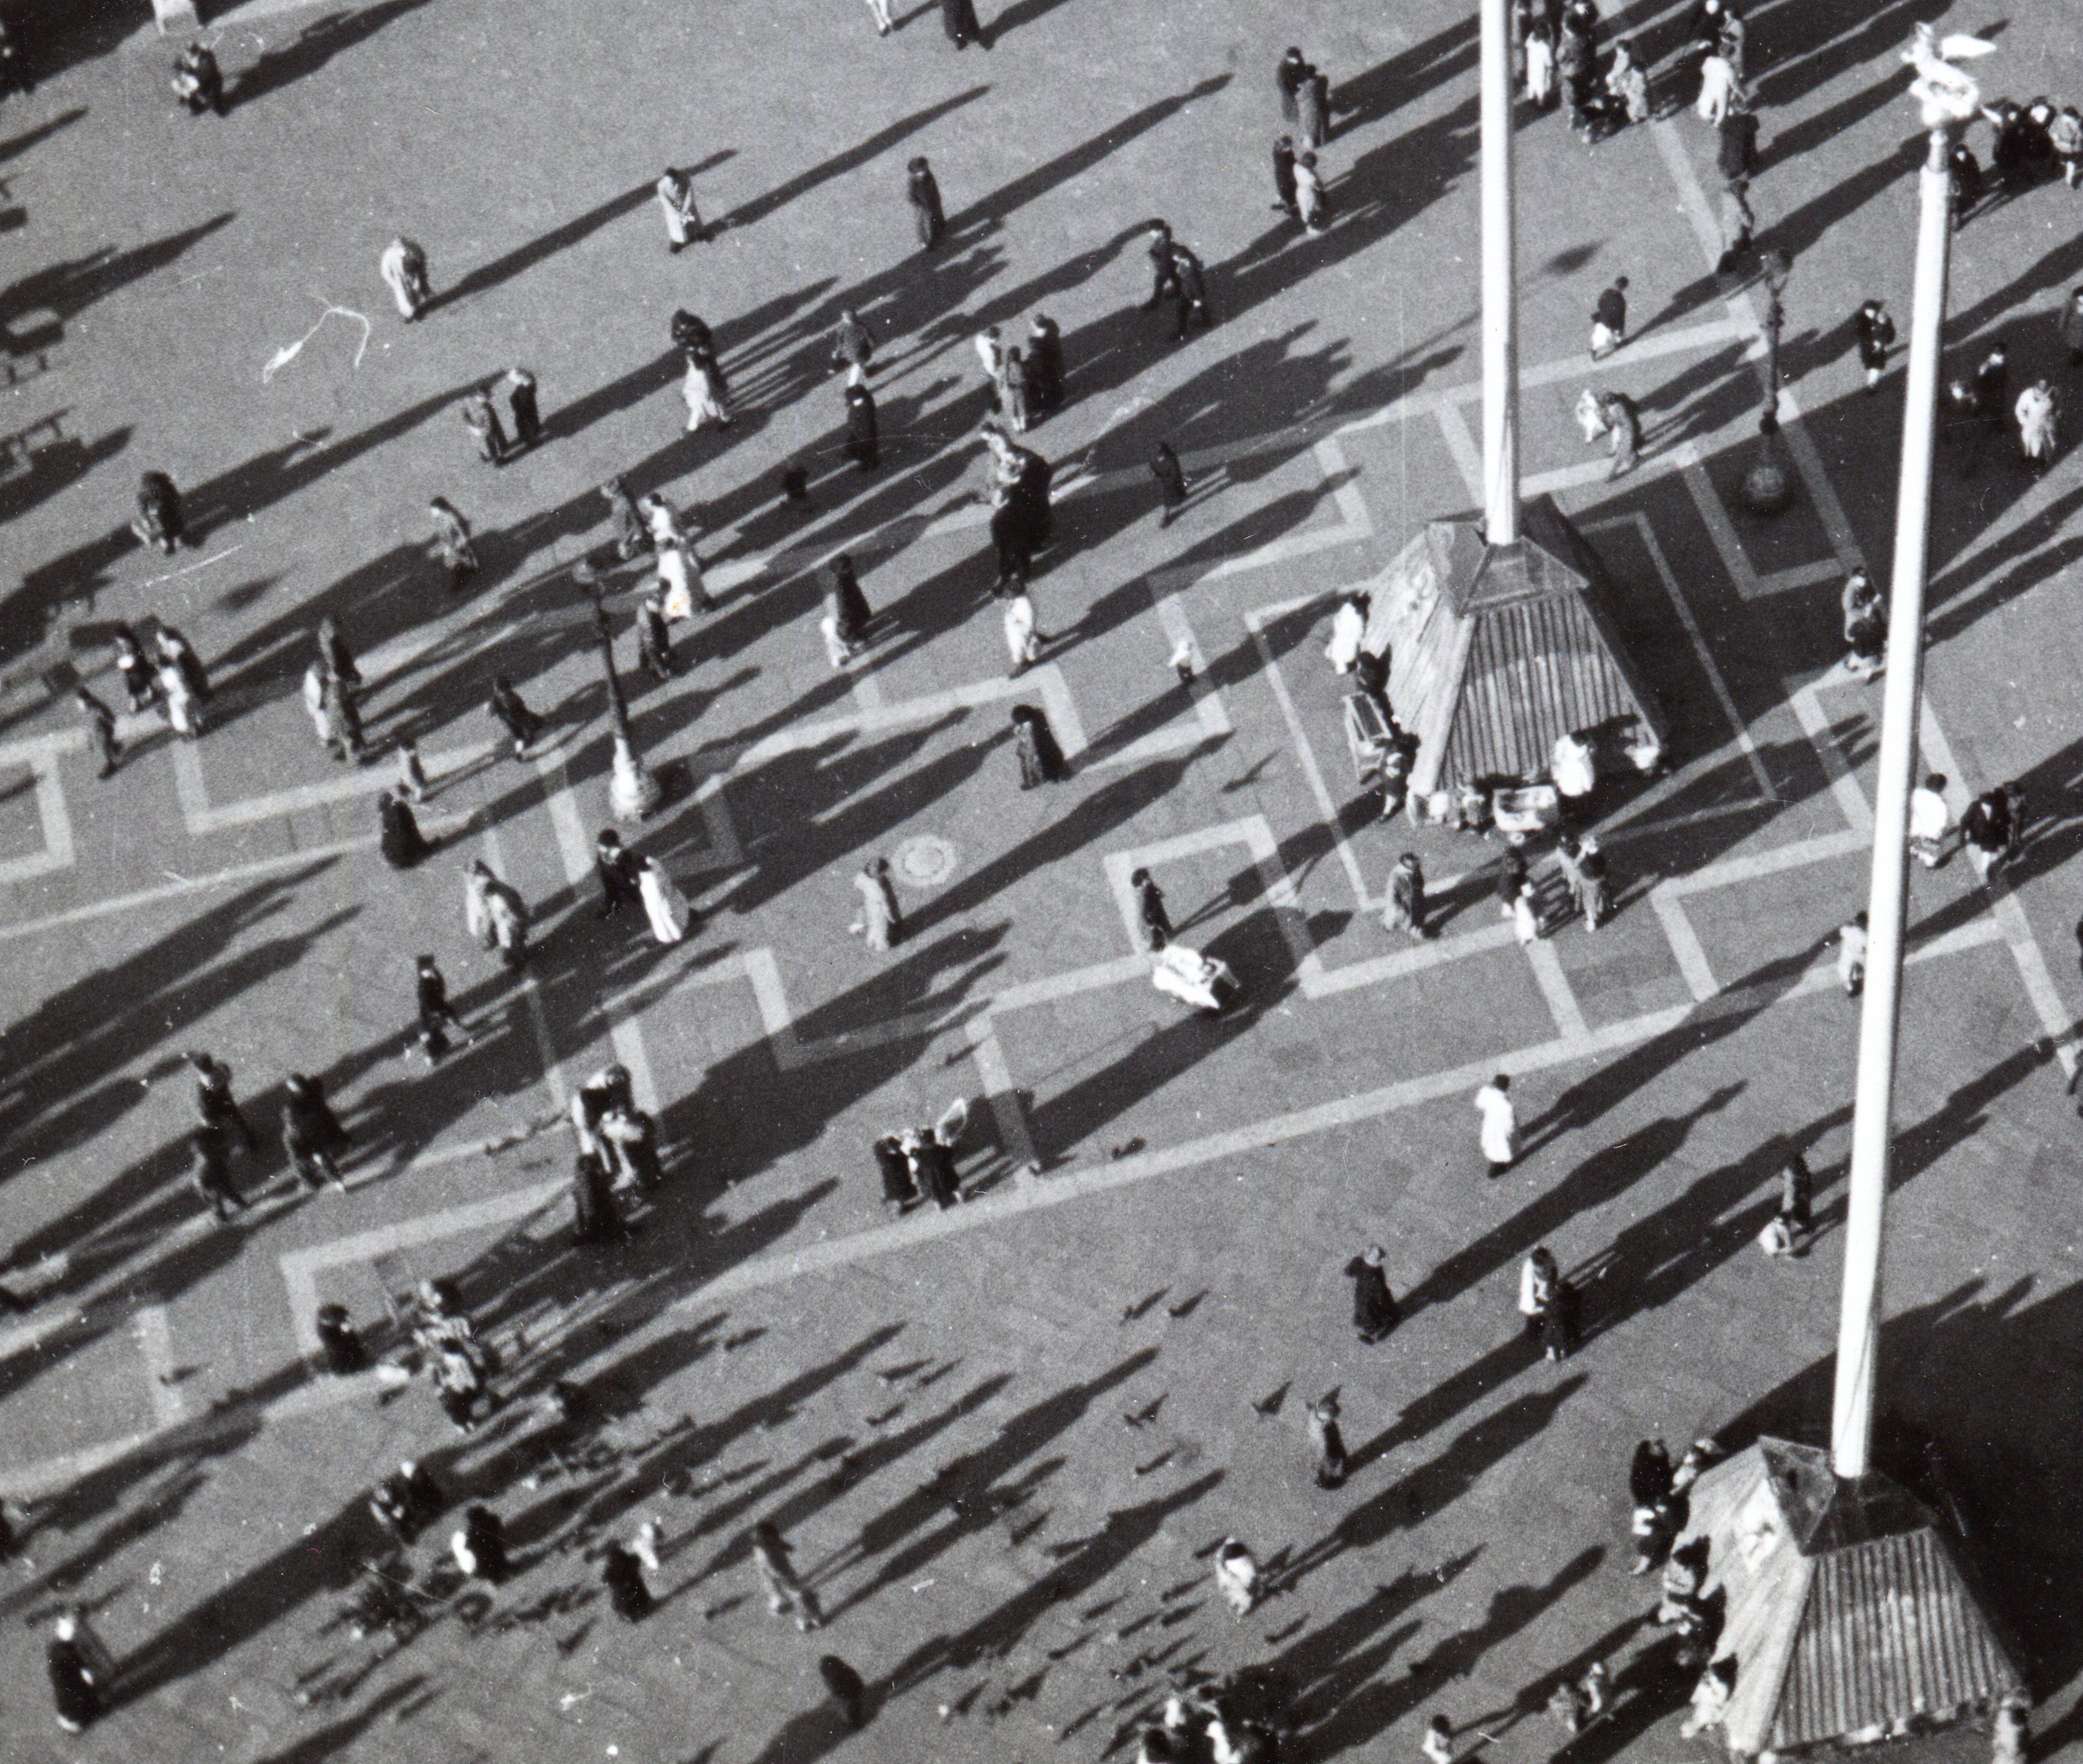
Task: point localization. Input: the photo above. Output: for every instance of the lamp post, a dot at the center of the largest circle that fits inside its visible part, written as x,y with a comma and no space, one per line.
1500,298
1949,97
632,791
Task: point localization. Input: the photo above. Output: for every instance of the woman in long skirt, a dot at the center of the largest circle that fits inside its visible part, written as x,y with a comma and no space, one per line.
880,922
402,843
663,904
704,398
1040,759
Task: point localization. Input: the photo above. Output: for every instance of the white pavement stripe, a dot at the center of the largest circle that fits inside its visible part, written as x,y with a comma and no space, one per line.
1800,576
531,994
1751,865
1256,622
155,1347
1433,953
39,756
1815,724
203,816
1555,988
1685,942
1461,444
1003,1098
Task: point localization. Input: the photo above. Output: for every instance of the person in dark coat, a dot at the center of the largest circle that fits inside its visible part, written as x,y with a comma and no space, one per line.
1313,108
1964,172
654,638
482,421
689,333
102,721
622,1575
1332,1463
1283,175
483,1537
1040,759
212,1174
334,655
617,869
311,1132
407,1500
437,1016
1736,152
864,440
597,1218
339,1341
76,1694
1288,78
849,605
1164,267
1191,292
520,385
631,535
519,722
900,1190
846,1689
933,1170
1876,333
198,82
401,842
958,19
140,680
1044,364
453,546
1374,1309
923,191
1170,481
1150,910
160,522
215,1106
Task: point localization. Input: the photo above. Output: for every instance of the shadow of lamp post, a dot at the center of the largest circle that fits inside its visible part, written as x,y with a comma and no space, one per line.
1768,485
632,791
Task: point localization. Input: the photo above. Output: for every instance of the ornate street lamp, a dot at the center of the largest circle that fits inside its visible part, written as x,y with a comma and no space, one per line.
632,792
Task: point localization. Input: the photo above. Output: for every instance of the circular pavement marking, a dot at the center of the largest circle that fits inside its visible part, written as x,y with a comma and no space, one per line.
925,862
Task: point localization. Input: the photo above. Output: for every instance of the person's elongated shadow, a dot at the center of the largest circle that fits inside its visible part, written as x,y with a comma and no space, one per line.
860,154
305,53
541,249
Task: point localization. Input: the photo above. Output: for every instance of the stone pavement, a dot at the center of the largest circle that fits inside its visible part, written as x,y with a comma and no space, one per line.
934,1409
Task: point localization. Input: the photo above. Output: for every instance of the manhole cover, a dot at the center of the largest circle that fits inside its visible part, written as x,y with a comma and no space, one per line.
923,861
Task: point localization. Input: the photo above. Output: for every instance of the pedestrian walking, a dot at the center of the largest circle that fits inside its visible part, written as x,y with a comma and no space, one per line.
990,355
879,11
853,347
702,390
786,1593
842,1683
682,590
1013,389
1045,365
1040,760
1498,1134
1623,425
404,268
1609,320
160,522
311,1132
922,191
1527,925
1584,864
1283,176
102,721
1288,78
1376,1312
399,840
334,654
654,637
1312,109
1720,91
480,1548
520,724
675,190
495,914
1191,289
1989,829
453,546
1875,330
216,1107
1163,266
521,403
437,1016
1330,1444
1540,66
340,717
174,650
76,1694
198,82
1852,955
845,602
2038,421
595,1218
958,19
483,422
881,922
1788,1229
863,444
1930,822
1236,1576
1023,642
1172,485
622,1575
1310,207
141,679
1150,913
665,908
1550,1305
1405,908
183,710
211,1173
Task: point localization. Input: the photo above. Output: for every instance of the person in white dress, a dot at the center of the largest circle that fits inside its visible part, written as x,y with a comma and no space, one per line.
182,710
679,570
683,220
1206,982
880,922
1718,89
1348,626
314,703
1023,642
704,398
404,268
663,904
1499,1132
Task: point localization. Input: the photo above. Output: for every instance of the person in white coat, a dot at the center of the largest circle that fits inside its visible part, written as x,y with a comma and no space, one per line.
683,219
705,396
404,268
880,922
1348,626
1206,982
663,904
1309,203
1718,89
1498,1134
1023,642
1236,1576
679,570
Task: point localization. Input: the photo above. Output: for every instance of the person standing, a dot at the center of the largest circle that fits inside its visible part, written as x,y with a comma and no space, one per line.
141,683
958,19
1044,364
1852,955
212,1174
786,1593
400,841
1332,1464
1623,423
881,921
1013,389
863,444
1989,830
1405,910
527,414
437,1016
1720,91
595,1218
1524,912
1876,332
1040,759
1541,65
160,522
216,1107
483,422
184,712
311,1132
1309,205
198,82
495,914
665,908
1283,176
1312,108
990,355
654,636
1289,78
922,190
1609,320
1376,1312
1498,1134
102,721
453,547
679,567
702,390
1023,642
853,347
519,722
1236,1576
403,266
76,1695
1930,822
622,1575
2038,420
1150,913
617,868
1585,865
683,219
1172,485
175,650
